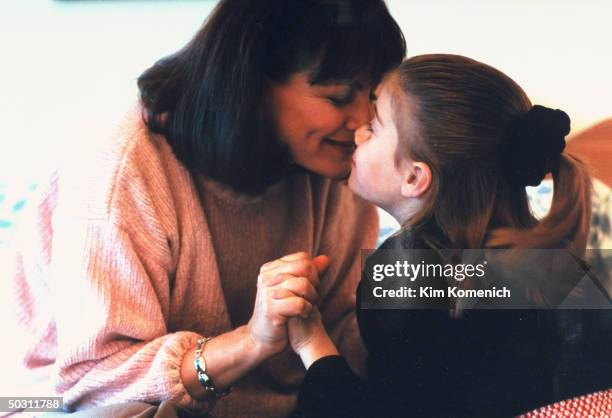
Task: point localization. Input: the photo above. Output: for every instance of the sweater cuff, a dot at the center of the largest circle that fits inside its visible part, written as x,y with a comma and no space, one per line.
175,351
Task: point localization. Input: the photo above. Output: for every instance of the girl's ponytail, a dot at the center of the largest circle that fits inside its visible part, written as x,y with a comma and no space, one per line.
532,147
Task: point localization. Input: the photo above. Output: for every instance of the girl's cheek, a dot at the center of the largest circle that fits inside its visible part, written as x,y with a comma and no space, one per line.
363,164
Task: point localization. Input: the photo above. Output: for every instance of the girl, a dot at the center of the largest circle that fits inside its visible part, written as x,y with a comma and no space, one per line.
449,152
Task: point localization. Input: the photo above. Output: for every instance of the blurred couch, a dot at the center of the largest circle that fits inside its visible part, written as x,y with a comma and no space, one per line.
594,146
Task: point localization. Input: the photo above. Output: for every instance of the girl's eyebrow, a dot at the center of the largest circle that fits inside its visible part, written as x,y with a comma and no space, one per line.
374,100
376,115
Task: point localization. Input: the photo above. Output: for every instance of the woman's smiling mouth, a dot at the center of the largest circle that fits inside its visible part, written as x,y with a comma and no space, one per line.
346,145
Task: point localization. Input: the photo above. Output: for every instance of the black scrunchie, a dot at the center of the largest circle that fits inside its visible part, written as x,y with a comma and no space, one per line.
533,145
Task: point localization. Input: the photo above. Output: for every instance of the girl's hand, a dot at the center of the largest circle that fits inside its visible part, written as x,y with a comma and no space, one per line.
304,331
285,288
309,339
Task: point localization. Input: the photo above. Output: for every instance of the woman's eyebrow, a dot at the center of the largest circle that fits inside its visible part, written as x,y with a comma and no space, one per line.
346,88
352,85
356,85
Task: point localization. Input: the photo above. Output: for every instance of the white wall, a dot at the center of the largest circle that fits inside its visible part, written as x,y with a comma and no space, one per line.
68,66
559,51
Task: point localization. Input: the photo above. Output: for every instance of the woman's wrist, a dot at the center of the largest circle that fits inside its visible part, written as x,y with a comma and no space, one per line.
228,357
317,347
257,349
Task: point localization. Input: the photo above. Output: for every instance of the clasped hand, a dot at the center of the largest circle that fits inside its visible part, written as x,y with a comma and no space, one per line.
287,295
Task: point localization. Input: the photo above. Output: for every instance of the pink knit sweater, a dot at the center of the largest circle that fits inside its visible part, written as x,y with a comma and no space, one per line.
129,259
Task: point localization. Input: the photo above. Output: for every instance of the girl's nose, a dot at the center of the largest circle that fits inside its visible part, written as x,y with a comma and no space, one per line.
362,134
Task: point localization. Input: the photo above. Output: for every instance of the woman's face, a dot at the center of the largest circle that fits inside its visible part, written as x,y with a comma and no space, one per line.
318,122
375,175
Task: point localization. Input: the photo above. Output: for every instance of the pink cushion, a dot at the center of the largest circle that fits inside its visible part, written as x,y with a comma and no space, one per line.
595,405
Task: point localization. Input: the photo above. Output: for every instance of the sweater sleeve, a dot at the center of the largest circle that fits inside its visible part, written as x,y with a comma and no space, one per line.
351,225
103,292
111,304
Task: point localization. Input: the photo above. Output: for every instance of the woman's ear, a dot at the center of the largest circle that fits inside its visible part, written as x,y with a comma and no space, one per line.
417,180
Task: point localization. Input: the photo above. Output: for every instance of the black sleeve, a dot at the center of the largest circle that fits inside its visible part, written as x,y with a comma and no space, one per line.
331,389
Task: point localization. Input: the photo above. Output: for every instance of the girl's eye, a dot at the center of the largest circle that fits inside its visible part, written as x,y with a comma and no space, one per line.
370,125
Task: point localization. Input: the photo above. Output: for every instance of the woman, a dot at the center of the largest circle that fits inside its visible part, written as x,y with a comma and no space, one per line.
155,240
452,146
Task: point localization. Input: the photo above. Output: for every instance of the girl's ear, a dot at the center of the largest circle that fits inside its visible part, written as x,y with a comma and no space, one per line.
417,180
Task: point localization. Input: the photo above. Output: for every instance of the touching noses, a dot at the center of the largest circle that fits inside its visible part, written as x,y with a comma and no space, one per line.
360,112
362,134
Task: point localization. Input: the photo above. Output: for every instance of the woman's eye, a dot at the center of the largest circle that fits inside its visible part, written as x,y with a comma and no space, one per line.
341,101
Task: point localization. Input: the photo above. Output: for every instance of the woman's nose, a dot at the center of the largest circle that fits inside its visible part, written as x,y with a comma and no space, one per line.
360,112
362,134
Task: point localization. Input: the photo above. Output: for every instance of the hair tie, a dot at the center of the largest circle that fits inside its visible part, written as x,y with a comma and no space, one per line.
533,144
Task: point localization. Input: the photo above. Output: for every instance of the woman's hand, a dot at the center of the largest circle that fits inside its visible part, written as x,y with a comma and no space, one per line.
285,288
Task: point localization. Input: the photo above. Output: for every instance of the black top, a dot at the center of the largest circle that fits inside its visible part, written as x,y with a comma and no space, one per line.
486,363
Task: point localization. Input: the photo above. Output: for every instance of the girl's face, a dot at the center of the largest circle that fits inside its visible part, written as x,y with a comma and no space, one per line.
375,175
318,122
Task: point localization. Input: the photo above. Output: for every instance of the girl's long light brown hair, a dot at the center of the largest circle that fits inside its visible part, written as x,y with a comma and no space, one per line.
462,109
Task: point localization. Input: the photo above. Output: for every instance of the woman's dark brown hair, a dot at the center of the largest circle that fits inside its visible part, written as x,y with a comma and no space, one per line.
208,98
462,112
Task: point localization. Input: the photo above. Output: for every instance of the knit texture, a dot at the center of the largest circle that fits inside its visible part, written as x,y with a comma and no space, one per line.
128,258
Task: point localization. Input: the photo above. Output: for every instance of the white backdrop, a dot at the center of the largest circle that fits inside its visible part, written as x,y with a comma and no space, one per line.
70,67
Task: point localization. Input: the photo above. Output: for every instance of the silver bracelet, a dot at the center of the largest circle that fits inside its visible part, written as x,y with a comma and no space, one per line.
200,365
